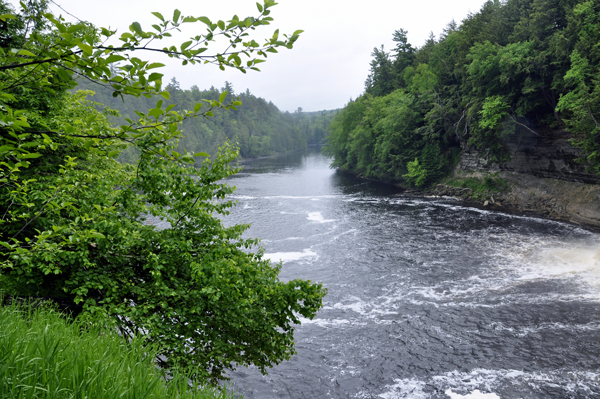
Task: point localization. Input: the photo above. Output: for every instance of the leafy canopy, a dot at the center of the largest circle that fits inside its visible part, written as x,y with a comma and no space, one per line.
517,71
74,222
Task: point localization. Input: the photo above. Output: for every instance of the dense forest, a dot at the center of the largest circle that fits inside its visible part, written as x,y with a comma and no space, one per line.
515,67
257,126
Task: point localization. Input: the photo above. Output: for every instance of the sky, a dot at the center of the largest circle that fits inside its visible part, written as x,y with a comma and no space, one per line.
329,63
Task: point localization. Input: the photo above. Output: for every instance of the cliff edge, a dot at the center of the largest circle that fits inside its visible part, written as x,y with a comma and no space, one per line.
542,177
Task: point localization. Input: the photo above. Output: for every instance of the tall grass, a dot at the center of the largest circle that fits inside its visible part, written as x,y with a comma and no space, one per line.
42,355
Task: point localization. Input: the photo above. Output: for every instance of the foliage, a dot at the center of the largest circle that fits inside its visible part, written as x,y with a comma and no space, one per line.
75,221
581,105
379,134
45,356
381,77
257,126
416,175
515,68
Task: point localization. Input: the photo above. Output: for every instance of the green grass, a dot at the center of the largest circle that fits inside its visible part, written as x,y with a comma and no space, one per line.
43,355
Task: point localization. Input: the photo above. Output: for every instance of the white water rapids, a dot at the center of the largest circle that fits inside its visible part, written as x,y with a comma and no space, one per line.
427,298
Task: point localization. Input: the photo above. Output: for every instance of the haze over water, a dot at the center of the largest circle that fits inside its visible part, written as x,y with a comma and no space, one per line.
427,298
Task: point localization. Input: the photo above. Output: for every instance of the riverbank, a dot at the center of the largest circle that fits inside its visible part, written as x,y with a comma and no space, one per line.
556,199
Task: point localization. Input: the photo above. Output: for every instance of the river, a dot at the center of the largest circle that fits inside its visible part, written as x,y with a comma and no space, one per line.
427,298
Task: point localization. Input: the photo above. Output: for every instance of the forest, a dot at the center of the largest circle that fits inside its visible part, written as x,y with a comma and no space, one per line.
515,67
258,127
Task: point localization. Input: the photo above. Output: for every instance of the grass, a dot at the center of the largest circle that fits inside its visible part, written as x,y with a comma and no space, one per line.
44,355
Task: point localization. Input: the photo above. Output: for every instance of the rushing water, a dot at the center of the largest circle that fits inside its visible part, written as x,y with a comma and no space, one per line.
427,298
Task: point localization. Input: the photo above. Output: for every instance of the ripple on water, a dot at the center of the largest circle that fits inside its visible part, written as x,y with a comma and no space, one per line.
427,298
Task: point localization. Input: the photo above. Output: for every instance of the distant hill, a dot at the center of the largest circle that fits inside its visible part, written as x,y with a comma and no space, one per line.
258,126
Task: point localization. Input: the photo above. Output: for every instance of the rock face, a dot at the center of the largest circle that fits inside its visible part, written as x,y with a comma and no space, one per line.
544,179
550,155
556,199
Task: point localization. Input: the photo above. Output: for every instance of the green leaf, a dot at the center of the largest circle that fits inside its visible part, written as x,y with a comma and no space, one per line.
185,45
197,107
158,15
222,96
85,48
260,8
114,58
201,154
176,15
221,25
155,76
26,52
7,96
155,65
63,74
137,28
205,20
165,94
31,155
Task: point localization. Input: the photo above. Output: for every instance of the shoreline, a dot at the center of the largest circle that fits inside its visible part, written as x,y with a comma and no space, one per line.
566,201
248,160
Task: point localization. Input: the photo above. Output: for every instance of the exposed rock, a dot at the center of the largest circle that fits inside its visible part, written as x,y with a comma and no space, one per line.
557,199
544,177
548,155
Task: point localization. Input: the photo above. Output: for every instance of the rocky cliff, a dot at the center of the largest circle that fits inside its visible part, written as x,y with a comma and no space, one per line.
543,178
547,154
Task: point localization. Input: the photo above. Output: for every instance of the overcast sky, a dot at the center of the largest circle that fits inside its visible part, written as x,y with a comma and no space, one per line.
328,64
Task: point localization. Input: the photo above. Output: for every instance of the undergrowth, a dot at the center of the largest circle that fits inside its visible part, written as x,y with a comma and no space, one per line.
44,355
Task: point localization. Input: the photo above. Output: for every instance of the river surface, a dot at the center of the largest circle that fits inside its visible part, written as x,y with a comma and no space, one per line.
427,298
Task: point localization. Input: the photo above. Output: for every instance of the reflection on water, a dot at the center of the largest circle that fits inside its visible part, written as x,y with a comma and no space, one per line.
427,298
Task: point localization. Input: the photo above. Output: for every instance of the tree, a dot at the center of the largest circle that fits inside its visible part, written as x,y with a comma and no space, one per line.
73,220
380,80
580,106
404,56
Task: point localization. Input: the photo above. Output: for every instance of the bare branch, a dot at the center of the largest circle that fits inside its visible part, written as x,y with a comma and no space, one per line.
525,126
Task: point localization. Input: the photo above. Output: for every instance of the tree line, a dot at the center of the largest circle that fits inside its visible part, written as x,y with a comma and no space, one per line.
257,126
516,67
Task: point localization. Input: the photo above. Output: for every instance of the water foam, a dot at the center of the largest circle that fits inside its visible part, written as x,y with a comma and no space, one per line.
318,217
481,383
301,197
493,380
328,323
289,256
406,388
476,394
370,310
